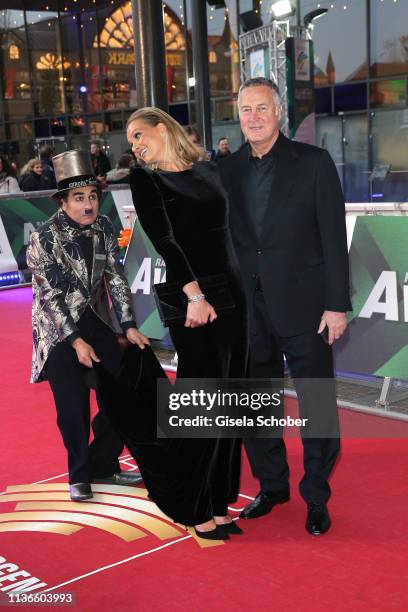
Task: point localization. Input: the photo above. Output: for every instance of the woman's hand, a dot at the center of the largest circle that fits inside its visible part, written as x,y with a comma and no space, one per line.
199,313
135,337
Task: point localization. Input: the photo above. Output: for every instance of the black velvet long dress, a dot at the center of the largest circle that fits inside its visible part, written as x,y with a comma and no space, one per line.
185,216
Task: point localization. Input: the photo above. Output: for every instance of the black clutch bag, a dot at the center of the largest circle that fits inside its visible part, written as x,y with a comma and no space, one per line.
172,302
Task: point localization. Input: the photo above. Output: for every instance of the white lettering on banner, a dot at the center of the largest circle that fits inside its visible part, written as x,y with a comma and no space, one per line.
9,573
143,279
7,259
385,286
405,291
159,276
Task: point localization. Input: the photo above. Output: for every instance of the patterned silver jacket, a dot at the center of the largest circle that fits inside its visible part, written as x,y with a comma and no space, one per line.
61,285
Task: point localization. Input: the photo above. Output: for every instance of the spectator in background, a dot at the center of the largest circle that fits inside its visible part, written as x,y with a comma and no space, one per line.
100,161
193,134
48,175
223,148
30,178
8,182
121,173
14,168
194,137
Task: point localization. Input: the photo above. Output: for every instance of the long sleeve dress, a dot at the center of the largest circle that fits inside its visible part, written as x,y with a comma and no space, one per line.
185,216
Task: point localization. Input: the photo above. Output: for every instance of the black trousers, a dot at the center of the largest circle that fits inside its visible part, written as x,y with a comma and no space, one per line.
308,357
69,382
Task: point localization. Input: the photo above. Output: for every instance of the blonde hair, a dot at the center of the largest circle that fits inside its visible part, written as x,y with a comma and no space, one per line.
177,143
29,166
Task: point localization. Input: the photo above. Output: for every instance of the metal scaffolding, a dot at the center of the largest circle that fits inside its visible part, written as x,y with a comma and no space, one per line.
271,37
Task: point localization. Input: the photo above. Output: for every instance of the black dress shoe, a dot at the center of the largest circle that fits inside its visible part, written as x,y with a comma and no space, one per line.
214,534
80,491
121,478
318,519
264,502
231,528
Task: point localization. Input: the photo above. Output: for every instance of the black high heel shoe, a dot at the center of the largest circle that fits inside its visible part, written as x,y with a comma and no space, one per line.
214,534
231,528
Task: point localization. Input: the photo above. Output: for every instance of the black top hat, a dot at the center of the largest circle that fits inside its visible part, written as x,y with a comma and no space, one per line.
73,169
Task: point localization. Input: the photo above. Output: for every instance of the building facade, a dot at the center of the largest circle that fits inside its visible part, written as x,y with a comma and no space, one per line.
68,76
361,69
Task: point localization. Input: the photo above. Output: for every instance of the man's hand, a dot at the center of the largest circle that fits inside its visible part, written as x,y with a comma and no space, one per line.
85,353
135,337
336,323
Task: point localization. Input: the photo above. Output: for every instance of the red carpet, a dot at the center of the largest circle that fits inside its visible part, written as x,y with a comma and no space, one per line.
361,564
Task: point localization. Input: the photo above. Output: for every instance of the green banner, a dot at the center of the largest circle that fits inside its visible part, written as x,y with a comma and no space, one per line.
144,267
21,216
376,341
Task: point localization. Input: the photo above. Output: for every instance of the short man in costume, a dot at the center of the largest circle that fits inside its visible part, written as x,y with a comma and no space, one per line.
74,261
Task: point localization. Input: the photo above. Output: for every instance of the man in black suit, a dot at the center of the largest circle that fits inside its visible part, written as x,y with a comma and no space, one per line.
287,219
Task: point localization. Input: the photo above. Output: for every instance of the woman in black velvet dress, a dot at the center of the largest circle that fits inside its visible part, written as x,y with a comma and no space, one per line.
182,207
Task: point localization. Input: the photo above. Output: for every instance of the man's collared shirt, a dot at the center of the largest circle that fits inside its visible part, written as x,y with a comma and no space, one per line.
261,174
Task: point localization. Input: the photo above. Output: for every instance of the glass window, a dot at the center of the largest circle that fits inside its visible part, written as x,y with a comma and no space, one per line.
114,121
58,126
223,50
335,61
77,124
180,113
388,93
246,6
97,127
16,80
323,100
355,158
19,131
73,60
225,110
390,146
18,151
116,44
176,49
47,62
42,128
389,38
189,59
11,19
350,97
329,137
90,86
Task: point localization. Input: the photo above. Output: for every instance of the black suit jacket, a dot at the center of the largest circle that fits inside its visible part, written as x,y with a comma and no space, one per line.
301,257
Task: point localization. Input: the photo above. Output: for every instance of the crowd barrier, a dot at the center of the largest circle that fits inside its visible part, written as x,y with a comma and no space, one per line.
376,341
